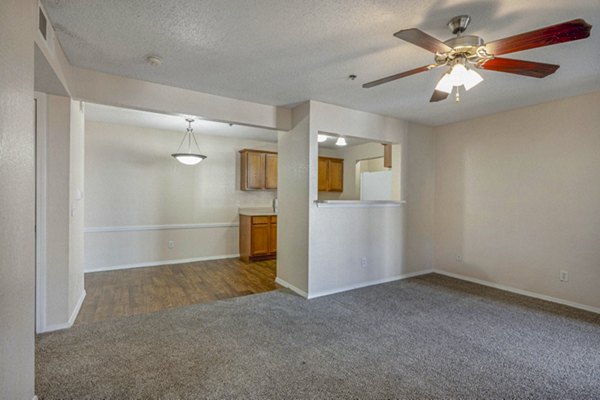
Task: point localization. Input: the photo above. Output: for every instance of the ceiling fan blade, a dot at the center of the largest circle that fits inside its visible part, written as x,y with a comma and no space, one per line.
421,39
398,76
438,95
565,32
519,67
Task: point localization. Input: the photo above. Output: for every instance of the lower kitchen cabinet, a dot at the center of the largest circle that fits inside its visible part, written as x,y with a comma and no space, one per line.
258,237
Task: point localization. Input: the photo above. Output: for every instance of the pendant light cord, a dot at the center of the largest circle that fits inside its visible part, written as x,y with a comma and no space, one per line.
189,134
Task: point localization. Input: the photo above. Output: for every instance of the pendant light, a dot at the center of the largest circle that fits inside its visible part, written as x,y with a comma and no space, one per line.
189,158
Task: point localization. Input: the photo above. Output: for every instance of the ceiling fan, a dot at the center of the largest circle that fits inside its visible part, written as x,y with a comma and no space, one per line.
463,51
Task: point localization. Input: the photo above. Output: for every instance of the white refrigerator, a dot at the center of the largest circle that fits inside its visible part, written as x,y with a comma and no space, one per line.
376,185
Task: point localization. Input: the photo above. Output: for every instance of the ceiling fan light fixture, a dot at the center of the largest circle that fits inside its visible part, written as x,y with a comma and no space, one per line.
341,142
457,74
445,84
322,138
471,79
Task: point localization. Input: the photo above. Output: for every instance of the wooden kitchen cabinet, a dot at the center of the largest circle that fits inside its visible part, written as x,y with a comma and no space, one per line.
270,170
258,170
331,174
258,237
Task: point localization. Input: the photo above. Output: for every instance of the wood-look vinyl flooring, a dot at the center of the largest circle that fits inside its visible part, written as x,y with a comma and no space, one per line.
114,294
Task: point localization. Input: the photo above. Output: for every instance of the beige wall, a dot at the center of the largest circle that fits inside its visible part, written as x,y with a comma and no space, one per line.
341,236
293,188
419,183
101,88
57,212
17,199
518,197
132,180
76,195
63,277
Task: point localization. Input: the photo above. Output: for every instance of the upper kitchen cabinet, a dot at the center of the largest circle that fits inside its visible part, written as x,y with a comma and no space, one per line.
331,174
258,170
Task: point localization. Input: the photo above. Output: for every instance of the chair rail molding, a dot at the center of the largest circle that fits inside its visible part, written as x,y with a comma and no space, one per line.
135,228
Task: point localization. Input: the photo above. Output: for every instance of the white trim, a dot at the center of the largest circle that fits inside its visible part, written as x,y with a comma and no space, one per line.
358,203
75,312
368,283
40,211
135,228
519,291
161,262
72,318
55,327
291,287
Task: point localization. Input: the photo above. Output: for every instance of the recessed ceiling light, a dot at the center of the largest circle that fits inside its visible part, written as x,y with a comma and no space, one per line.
155,61
322,138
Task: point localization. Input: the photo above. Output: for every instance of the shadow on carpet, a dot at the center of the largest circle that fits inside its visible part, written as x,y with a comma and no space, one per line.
425,337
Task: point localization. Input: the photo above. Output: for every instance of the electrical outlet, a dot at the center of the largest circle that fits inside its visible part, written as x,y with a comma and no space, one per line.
564,276
171,244
363,262
459,258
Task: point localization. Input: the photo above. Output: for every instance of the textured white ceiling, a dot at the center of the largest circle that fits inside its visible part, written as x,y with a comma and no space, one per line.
169,122
285,52
145,119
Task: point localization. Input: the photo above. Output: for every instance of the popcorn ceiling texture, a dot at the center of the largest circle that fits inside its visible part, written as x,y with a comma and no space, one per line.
285,52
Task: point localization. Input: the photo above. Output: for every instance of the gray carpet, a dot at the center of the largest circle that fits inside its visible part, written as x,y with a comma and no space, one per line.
426,337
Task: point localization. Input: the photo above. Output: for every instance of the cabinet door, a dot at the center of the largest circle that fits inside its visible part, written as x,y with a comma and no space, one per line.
273,238
270,171
255,170
336,175
323,174
260,240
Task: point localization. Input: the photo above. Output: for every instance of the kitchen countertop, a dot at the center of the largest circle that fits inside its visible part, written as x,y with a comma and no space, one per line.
257,211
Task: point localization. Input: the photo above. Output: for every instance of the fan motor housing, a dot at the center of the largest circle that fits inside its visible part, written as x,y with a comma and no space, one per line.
464,41
463,47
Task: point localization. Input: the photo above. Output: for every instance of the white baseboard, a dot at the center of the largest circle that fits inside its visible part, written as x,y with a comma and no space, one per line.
72,318
519,291
291,287
162,262
368,283
75,312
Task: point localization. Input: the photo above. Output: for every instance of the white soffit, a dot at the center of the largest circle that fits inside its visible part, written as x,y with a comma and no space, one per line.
152,120
282,52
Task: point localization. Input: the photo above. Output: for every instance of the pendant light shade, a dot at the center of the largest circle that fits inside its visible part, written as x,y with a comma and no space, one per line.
188,158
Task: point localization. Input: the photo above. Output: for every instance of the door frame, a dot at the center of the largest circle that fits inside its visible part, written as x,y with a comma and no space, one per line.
40,209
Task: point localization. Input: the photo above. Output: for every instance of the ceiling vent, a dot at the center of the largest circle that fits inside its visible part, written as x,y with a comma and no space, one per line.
45,29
